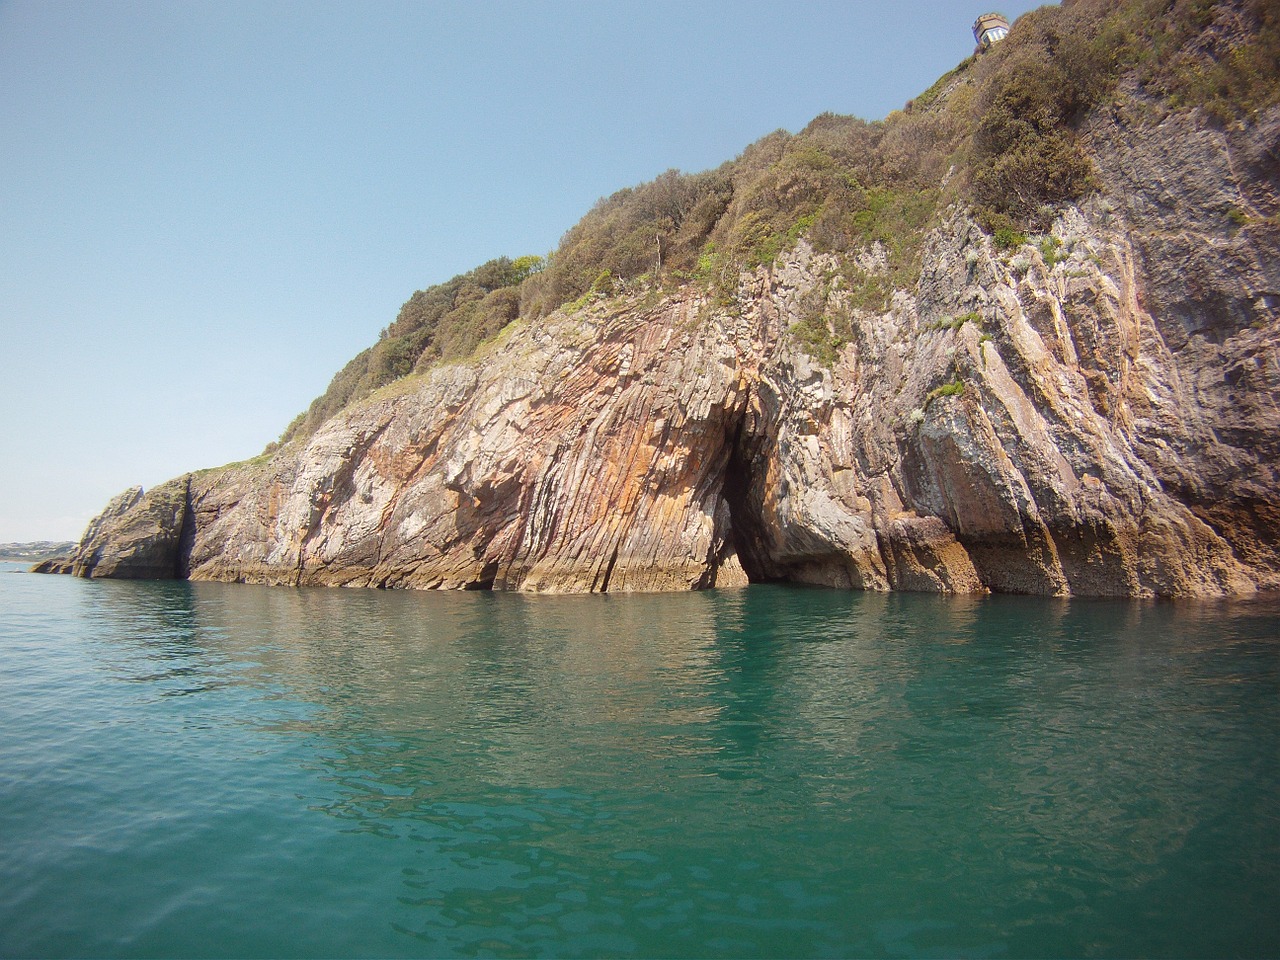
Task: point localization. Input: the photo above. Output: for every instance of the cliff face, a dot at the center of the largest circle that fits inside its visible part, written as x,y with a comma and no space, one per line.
1095,413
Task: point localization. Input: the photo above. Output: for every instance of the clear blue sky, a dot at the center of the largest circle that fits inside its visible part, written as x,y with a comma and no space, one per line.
206,208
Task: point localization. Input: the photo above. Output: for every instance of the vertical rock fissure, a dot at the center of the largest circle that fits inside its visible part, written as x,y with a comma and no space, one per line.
608,573
743,492
186,537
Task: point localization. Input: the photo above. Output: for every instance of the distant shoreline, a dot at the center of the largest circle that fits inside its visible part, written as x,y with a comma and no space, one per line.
36,551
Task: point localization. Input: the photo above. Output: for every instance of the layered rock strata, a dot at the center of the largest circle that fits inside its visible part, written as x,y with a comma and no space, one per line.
1096,413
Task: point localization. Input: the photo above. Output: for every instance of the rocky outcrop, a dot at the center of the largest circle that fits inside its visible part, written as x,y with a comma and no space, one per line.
1096,413
1202,206
137,537
54,565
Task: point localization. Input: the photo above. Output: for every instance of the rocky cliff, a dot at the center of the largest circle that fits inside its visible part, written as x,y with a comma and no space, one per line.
1095,412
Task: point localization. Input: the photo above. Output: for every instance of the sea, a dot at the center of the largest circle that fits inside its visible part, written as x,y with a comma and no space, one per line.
211,770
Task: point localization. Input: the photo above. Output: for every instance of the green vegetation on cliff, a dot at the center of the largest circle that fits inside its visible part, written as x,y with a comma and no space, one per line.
1000,133
444,322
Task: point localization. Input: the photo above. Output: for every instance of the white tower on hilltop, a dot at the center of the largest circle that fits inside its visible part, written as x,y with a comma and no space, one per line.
990,28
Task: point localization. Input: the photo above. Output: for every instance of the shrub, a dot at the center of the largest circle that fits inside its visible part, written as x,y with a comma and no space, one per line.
952,389
817,338
956,322
1051,251
1007,238
603,283
1222,57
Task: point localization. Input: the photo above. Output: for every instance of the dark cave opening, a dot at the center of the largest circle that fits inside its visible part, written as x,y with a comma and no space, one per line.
744,493
485,579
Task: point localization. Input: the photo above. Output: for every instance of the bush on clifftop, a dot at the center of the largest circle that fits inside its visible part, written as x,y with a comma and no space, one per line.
999,132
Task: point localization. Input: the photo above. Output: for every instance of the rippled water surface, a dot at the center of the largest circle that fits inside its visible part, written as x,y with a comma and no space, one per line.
209,770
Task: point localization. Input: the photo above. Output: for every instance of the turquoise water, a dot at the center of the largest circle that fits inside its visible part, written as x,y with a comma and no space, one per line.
209,770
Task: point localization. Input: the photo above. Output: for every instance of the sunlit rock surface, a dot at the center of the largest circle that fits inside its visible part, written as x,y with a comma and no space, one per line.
1106,422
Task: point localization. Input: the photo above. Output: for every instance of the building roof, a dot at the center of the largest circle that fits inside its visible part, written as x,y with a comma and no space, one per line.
987,22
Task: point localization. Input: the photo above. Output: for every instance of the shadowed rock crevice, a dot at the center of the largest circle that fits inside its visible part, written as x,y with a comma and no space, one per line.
488,573
743,493
186,538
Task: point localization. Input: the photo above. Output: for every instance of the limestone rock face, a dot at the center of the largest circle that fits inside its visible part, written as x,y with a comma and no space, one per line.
136,537
1097,413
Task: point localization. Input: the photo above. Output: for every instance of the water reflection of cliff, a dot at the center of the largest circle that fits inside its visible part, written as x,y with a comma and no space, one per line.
151,634
515,688
511,691
933,745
